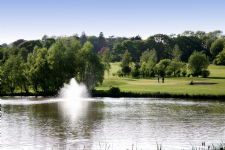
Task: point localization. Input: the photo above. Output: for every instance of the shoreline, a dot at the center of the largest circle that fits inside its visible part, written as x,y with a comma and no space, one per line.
103,93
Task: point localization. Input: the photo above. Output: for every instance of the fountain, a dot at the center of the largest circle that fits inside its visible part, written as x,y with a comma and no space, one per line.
73,91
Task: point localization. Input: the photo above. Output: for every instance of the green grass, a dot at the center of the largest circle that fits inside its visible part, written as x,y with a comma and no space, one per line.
173,85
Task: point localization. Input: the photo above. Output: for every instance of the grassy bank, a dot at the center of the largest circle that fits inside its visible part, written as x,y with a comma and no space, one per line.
172,85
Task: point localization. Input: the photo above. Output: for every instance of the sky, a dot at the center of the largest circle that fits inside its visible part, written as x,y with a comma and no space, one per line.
32,19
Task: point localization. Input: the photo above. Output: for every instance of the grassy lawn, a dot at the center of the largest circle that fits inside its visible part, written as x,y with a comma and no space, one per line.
177,85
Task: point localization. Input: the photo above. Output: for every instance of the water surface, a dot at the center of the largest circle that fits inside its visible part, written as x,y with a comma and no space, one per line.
51,123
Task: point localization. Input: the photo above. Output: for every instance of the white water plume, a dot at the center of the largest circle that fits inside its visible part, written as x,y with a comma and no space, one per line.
73,90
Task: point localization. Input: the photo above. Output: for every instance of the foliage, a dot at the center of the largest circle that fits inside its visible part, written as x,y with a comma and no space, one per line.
13,73
83,38
220,58
138,37
197,62
1,53
149,56
113,91
126,59
174,66
91,67
106,56
18,42
48,42
4,45
102,50
187,45
29,45
119,73
101,41
217,46
126,70
205,73
176,53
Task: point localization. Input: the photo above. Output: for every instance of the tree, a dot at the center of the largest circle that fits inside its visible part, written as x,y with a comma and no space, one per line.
44,38
24,53
106,56
48,42
1,53
149,56
187,45
57,64
13,75
163,45
83,38
176,53
42,69
138,37
18,42
29,45
101,41
76,36
220,58
174,66
162,66
197,62
92,39
4,45
217,46
126,59
91,67
33,77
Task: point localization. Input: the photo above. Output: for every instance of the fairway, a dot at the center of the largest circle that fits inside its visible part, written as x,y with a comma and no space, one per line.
176,85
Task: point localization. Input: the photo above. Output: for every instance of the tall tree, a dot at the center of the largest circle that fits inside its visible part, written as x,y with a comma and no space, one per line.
176,53
57,64
83,38
106,56
126,59
91,68
101,41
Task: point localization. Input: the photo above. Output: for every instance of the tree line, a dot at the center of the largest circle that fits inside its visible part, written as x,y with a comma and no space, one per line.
45,69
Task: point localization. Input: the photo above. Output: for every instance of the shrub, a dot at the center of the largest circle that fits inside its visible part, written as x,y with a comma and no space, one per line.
119,73
126,70
114,91
114,73
135,73
205,73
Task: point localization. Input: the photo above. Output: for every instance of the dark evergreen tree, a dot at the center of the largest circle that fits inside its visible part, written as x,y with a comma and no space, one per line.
83,38
101,41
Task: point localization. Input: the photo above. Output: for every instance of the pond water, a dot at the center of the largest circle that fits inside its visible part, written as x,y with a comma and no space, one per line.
52,123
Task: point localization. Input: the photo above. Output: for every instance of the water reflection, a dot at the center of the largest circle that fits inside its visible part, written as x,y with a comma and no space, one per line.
56,123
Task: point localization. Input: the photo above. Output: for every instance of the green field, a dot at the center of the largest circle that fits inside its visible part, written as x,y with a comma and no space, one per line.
175,85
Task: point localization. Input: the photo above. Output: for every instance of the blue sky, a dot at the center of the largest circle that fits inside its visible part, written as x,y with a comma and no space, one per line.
31,19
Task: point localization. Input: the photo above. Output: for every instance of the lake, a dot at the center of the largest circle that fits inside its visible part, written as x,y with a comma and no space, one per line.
55,123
